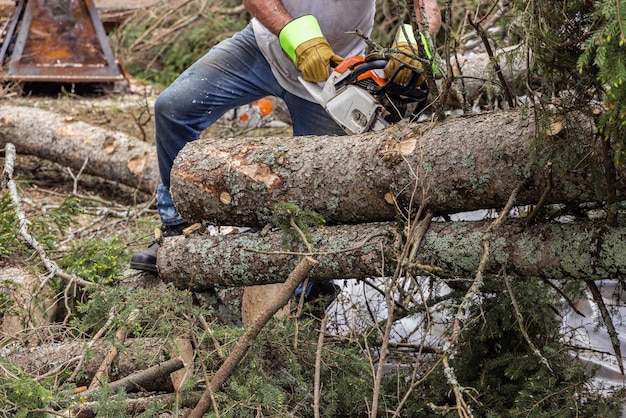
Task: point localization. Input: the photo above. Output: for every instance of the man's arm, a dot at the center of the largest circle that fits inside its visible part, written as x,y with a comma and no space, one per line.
301,38
433,15
271,13
406,43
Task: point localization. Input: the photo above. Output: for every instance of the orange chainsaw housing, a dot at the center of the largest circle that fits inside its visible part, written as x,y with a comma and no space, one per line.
351,62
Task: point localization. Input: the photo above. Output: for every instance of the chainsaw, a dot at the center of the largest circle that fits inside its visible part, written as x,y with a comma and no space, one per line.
360,99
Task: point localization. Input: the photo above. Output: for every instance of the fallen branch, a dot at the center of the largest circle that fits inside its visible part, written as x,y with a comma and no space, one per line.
520,322
120,336
50,265
136,406
608,322
415,235
505,86
139,379
318,368
460,317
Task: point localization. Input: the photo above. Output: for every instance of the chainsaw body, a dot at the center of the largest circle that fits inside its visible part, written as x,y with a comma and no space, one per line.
360,99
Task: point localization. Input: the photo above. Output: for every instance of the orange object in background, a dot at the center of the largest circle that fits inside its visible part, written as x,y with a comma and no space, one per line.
243,118
251,115
264,105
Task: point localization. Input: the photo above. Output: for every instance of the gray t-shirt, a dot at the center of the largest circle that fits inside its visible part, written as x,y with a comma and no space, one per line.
336,18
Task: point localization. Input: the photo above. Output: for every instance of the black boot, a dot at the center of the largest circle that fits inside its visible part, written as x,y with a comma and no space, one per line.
319,296
146,260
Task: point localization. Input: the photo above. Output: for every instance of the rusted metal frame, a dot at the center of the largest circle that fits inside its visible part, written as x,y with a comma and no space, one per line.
69,72
10,29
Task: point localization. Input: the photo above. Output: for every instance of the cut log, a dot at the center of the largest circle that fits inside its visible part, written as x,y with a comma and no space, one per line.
29,306
109,154
139,354
254,300
580,250
462,164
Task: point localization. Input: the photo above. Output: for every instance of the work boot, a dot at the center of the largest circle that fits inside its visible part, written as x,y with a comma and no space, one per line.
146,260
318,296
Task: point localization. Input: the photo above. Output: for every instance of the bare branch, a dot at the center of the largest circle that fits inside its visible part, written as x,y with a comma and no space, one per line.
50,265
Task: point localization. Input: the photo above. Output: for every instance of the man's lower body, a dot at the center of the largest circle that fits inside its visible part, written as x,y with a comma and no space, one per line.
233,73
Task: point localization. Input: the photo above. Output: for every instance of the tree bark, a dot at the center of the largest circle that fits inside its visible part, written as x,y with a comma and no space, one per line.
462,164
139,354
137,406
577,250
142,378
109,154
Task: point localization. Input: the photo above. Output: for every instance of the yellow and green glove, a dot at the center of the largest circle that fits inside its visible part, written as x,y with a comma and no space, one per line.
304,43
407,48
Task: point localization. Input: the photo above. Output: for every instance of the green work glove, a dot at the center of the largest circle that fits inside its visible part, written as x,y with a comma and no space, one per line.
407,48
304,43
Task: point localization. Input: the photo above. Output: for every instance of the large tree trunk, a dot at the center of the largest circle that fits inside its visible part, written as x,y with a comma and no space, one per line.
577,250
462,164
109,154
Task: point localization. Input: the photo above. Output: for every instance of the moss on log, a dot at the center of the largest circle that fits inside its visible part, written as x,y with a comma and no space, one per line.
560,251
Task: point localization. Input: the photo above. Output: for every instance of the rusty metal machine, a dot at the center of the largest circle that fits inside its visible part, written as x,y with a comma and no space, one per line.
56,41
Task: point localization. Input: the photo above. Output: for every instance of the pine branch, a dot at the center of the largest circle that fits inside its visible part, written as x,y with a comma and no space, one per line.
296,277
520,322
318,368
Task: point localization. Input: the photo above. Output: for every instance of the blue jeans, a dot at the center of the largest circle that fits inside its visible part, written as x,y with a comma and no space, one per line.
233,73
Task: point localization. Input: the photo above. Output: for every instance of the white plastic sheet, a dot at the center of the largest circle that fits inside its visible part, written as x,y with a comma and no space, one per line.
584,331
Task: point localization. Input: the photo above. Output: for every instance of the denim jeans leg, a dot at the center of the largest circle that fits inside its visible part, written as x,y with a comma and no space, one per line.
310,118
231,74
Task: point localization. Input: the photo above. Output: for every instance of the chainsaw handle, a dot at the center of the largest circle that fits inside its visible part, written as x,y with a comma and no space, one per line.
361,69
408,92
377,64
